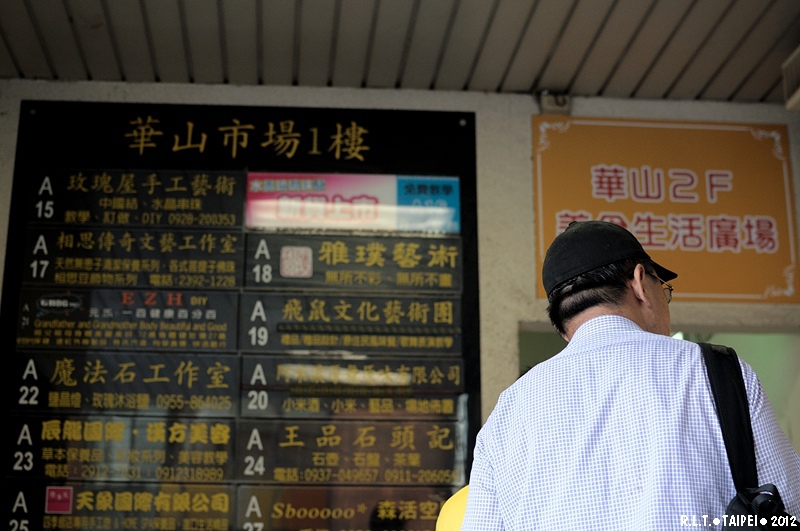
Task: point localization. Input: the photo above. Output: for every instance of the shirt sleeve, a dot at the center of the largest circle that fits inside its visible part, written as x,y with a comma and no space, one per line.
776,460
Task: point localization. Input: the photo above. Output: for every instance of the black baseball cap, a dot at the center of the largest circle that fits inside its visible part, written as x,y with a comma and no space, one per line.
587,245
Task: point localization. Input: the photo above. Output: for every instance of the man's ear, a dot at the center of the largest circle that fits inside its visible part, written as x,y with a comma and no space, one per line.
638,286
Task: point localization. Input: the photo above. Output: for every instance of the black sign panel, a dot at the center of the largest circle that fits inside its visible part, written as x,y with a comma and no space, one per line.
127,319
136,199
134,383
110,258
180,361
354,263
374,508
351,452
314,387
110,448
143,136
285,322
97,506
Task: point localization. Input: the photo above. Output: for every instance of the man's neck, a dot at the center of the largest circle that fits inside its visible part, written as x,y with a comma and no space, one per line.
595,311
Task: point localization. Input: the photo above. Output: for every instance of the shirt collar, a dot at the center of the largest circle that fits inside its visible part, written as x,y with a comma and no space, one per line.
603,326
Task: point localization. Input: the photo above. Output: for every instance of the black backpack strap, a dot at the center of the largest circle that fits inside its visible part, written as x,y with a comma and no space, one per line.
730,399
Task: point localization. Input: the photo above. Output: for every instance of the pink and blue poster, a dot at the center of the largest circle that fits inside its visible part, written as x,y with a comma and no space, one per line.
402,203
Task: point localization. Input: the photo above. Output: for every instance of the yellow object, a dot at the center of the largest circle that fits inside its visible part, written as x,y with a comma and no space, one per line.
452,514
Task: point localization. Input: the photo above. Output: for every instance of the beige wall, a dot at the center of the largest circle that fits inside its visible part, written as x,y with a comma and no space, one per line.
505,194
776,360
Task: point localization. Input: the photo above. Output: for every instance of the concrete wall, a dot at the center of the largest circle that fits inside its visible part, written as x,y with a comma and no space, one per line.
508,273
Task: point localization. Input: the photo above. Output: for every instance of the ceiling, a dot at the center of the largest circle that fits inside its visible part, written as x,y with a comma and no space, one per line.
718,50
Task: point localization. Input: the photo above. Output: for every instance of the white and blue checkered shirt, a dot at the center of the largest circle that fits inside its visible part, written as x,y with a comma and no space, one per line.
617,431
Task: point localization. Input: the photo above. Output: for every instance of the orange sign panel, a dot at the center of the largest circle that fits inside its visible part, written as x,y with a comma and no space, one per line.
711,201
